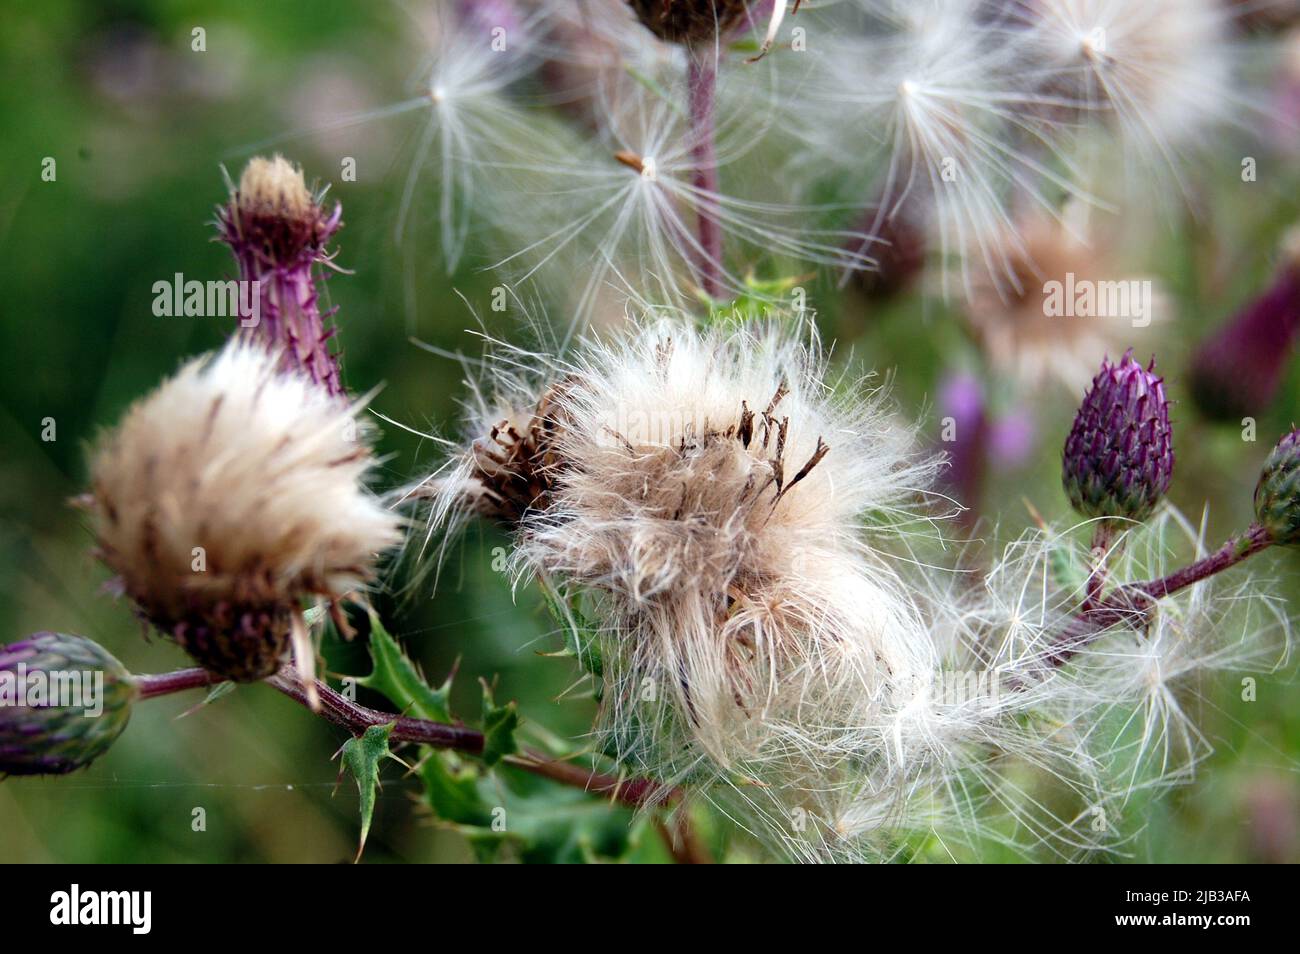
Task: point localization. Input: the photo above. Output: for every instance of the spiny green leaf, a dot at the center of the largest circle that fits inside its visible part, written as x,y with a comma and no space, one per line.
580,639
452,788
396,677
499,725
544,823
361,758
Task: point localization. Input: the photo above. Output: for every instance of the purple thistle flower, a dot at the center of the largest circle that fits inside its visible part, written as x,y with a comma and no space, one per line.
1119,457
278,231
1236,371
63,701
1277,495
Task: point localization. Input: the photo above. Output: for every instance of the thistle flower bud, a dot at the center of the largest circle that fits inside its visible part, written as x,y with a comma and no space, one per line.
1277,495
278,229
228,497
1237,371
690,21
1119,457
63,701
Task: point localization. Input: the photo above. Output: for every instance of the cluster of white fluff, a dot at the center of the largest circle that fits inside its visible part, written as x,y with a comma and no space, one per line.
747,543
977,112
1156,74
577,112
235,483
961,116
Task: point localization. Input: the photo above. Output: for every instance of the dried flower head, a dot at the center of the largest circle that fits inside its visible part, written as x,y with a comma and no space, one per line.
1119,457
690,21
274,219
699,498
228,497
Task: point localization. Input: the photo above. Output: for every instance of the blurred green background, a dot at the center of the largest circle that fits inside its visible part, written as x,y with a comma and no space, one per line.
139,125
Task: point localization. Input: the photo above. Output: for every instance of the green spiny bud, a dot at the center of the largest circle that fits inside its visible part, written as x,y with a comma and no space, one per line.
1277,495
63,701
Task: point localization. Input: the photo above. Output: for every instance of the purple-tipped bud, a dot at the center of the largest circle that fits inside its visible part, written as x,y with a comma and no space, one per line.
1119,457
1277,495
278,230
1236,371
63,701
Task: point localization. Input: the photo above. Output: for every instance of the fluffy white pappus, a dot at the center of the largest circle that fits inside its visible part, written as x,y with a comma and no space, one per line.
475,125
1159,73
1144,696
727,524
1119,711
475,130
236,488
622,209
943,106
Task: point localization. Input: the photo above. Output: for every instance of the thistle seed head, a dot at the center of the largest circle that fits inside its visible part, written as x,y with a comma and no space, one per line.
1119,457
685,483
228,497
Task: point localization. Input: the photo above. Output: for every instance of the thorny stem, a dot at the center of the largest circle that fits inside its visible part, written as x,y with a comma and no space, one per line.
342,711
1132,604
356,718
701,81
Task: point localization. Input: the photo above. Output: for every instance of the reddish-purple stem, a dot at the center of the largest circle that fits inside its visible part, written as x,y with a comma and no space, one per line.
1246,544
356,718
165,683
1131,604
701,81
